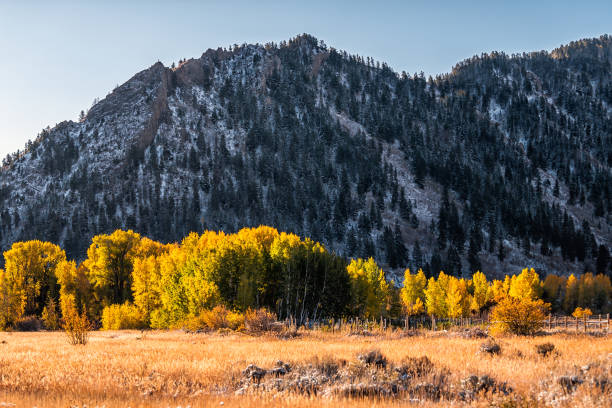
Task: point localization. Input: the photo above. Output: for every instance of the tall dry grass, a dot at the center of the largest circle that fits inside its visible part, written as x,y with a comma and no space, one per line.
135,369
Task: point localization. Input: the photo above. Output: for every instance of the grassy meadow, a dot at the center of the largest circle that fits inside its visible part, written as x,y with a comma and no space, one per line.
173,368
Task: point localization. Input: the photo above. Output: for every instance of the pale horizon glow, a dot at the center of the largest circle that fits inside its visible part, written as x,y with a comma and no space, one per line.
59,56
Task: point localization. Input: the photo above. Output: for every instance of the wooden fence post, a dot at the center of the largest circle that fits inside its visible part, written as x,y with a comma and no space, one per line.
599,322
549,322
576,322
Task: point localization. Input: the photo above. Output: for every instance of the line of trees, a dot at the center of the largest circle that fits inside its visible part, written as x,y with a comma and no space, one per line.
449,296
143,283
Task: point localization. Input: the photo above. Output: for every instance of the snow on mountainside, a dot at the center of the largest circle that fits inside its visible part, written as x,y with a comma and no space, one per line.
501,164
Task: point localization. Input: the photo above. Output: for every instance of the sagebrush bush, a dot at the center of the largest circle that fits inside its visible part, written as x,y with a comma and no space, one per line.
520,316
545,349
490,347
259,320
123,317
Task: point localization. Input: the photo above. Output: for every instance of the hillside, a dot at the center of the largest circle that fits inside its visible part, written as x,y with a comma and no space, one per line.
500,164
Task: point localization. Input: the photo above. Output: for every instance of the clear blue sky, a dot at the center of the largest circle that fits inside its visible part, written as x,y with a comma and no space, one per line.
57,56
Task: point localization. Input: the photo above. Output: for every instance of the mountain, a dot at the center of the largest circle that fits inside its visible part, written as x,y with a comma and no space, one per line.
503,163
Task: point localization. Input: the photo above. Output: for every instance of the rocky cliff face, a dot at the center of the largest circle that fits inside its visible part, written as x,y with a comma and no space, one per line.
503,163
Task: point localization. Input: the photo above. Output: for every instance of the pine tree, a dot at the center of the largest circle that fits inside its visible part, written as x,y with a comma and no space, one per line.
603,259
473,258
501,251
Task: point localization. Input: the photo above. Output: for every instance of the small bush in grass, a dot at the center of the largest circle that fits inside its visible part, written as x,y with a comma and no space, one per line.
327,365
259,321
545,349
123,317
373,357
28,324
77,326
519,316
490,347
416,367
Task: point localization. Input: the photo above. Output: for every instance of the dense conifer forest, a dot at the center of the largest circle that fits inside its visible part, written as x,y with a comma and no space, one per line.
502,163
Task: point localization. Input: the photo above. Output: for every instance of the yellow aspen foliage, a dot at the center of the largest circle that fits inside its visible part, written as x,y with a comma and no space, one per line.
417,308
552,288
580,312
435,296
147,247
603,294
570,300
586,290
283,247
481,289
146,288
262,236
519,315
122,317
413,292
369,288
74,282
76,325
457,298
10,302
185,287
507,284
526,285
110,261
499,290
30,274
50,316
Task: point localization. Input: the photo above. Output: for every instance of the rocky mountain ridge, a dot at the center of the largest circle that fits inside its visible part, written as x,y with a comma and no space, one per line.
500,164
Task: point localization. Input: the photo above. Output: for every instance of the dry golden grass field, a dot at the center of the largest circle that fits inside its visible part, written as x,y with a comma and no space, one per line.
172,369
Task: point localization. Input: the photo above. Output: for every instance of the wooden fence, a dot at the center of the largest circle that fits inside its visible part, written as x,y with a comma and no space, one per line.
597,323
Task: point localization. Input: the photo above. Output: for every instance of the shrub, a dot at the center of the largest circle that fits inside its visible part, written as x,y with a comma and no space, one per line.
545,349
373,357
258,321
521,316
579,313
490,347
77,326
122,317
416,366
28,324
235,321
327,365
221,318
217,318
